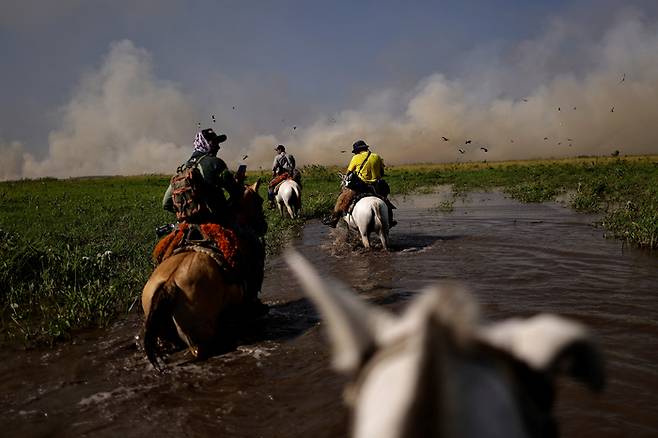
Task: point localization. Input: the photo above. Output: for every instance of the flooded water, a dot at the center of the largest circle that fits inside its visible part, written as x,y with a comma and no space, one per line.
518,259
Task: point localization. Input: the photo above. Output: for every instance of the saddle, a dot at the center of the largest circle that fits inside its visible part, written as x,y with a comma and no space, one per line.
217,241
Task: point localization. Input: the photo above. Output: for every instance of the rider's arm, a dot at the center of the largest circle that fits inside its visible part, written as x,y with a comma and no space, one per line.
229,183
275,164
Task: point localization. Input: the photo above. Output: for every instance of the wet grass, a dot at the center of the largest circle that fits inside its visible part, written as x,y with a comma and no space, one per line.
75,253
623,190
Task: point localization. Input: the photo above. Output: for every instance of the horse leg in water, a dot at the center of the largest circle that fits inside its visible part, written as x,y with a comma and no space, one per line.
364,237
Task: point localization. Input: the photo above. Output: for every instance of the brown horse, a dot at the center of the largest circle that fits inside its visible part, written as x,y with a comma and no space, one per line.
188,294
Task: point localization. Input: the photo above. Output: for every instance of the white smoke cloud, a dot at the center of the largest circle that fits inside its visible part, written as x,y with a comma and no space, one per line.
590,111
13,158
121,120
124,120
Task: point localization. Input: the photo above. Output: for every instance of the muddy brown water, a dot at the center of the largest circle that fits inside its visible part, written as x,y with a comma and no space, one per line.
518,259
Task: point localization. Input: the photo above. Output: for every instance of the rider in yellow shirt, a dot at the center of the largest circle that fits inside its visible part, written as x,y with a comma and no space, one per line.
369,168
373,168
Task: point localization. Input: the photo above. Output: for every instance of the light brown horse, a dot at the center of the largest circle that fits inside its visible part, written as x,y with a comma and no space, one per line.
188,293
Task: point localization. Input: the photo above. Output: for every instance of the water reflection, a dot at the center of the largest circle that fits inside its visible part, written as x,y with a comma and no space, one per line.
518,260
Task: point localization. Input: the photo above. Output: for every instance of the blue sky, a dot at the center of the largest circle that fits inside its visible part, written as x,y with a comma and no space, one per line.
286,63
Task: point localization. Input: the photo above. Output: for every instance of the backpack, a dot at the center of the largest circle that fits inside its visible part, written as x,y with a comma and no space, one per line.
188,192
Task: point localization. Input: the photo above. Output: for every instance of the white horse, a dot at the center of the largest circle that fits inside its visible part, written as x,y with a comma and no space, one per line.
289,196
369,215
436,371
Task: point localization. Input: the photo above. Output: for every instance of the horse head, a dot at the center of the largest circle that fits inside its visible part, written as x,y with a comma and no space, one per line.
249,211
437,371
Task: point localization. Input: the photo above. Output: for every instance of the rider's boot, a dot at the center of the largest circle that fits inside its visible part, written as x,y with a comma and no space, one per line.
270,198
331,220
390,206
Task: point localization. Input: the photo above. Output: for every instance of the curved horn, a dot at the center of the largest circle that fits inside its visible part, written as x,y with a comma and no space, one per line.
351,323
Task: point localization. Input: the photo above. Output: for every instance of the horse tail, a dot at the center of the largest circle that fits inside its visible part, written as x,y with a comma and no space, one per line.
378,216
160,312
382,222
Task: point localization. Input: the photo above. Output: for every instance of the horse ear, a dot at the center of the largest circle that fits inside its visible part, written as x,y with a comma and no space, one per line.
255,185
352,324
552,344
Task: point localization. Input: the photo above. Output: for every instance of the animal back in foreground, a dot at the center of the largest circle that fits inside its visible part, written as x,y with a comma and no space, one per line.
437,371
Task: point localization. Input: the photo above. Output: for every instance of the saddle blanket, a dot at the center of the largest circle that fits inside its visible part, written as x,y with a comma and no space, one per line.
215,237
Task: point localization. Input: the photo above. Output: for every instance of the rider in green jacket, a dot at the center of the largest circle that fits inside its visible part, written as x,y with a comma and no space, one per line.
216,176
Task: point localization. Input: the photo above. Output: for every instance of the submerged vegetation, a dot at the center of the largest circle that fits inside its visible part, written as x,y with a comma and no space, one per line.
76,253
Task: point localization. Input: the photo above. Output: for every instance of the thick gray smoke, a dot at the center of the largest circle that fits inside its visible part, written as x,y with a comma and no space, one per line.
121,120
554,96
511,109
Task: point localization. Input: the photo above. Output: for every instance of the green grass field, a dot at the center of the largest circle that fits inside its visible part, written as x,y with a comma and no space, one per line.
75,253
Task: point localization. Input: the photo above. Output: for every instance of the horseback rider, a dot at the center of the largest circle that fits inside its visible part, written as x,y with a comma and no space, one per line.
210,205
216,179
283,168
366,170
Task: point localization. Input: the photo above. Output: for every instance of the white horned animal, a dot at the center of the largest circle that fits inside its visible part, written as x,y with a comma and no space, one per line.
289,196
437,371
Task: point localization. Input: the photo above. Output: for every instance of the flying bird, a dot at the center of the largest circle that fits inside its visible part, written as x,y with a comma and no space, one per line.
245,157
574,108
485,149
468,142
444,139
213,118
612,110
623,78
233,106
524,99
569,139
461,151
198,124
511,141
545,138
559,143
558,108
342,152
294,127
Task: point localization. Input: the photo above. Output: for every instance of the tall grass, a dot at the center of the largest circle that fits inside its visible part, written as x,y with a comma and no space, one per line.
75,253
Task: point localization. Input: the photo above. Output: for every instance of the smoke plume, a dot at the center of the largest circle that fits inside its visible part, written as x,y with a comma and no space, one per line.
561,94
512,109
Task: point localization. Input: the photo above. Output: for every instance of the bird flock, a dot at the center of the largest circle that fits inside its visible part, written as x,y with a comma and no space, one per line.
461,148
